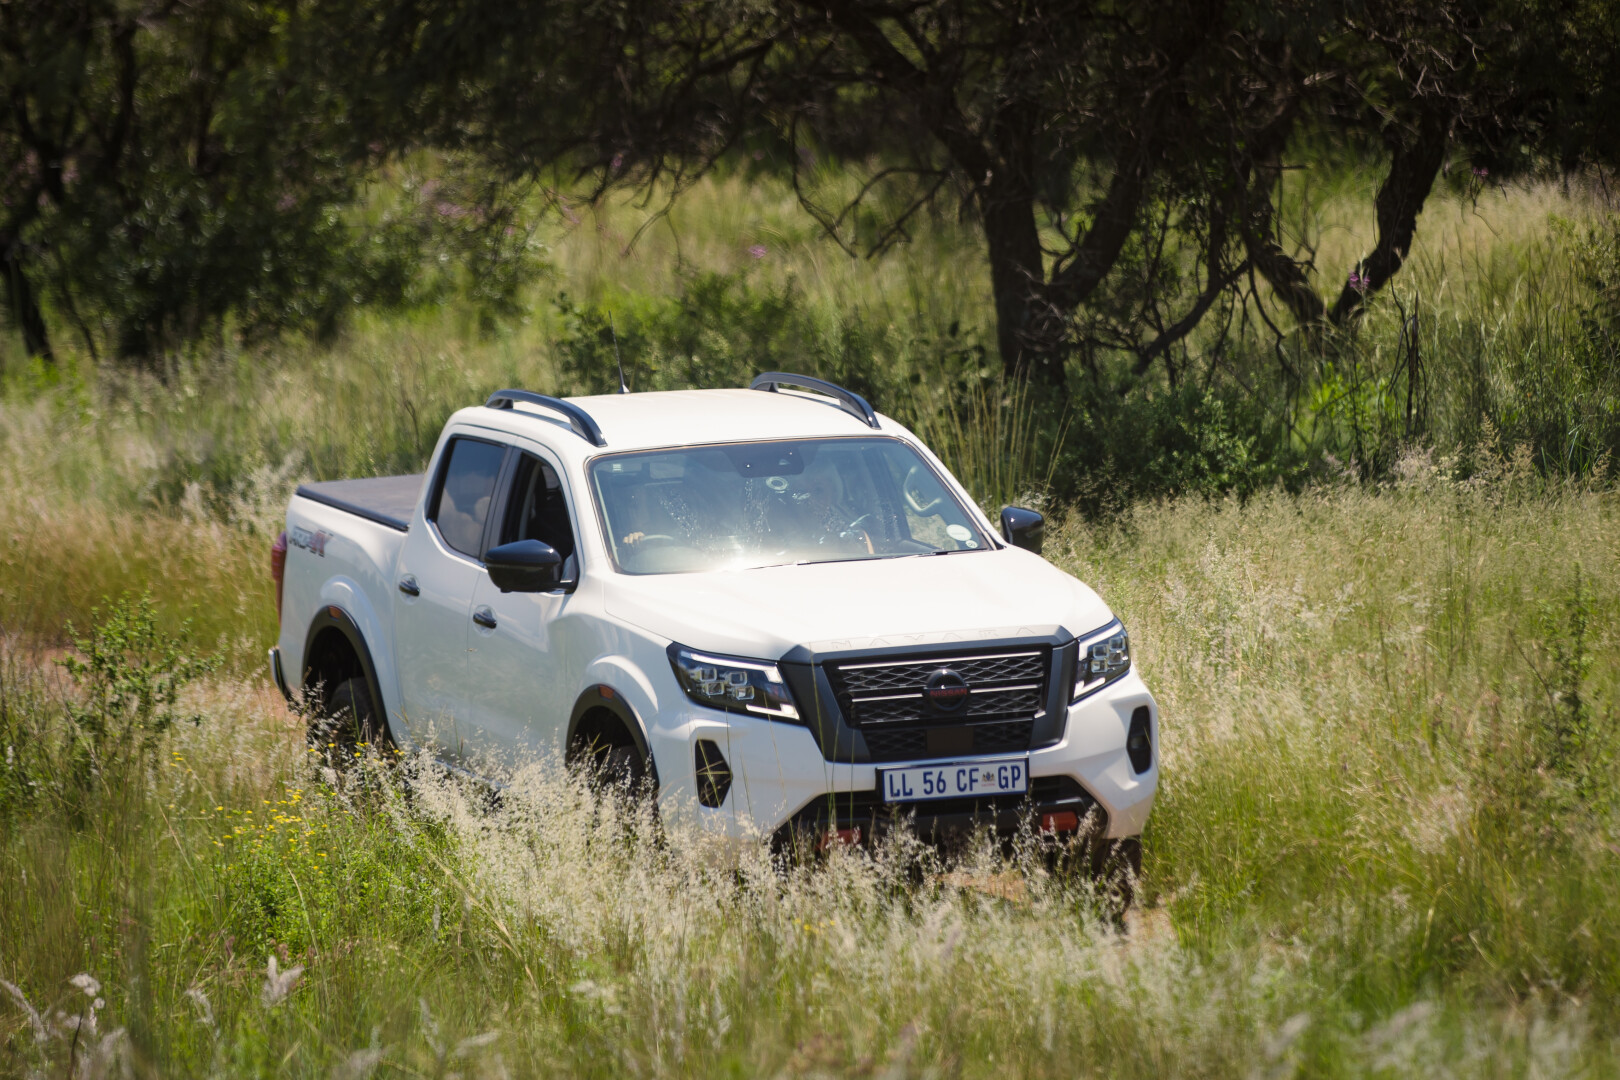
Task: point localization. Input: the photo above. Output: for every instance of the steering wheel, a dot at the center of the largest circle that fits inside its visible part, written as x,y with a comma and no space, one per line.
914,499
855,530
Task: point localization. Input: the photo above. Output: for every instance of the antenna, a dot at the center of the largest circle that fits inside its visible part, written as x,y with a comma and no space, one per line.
623,389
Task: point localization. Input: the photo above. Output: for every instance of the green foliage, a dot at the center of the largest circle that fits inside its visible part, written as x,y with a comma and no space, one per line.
1342,877
303,868
1185,440
28,726
129,674
718,330
101,741
1573,748
192,170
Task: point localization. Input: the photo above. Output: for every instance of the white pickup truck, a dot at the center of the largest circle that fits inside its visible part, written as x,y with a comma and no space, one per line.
774,606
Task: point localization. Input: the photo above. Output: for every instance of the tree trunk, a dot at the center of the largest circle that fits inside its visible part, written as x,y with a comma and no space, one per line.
1028,334
1414,165
23,302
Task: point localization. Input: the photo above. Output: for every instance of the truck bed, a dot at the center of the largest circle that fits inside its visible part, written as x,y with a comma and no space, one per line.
386,500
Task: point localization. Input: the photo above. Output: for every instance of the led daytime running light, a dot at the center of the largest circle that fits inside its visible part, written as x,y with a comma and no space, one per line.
1103,658
733,684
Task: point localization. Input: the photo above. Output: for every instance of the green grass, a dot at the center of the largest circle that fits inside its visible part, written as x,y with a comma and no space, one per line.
1367,857
1386,837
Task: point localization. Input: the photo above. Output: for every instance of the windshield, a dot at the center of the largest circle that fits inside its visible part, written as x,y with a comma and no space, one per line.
743,505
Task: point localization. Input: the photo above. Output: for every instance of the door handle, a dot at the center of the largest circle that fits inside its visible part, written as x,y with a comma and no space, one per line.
409,587
485,618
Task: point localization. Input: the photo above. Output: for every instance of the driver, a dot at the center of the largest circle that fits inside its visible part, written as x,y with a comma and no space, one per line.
687,511
820,506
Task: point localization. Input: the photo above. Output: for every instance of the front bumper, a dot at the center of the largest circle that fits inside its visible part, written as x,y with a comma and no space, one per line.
782,781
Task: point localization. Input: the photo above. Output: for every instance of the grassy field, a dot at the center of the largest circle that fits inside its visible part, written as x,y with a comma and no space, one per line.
1386,840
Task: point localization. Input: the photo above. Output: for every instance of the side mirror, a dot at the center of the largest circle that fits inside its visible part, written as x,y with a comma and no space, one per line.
524,566
1023,528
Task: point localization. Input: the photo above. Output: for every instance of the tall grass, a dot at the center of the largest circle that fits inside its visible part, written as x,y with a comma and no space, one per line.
1369,856
1385,842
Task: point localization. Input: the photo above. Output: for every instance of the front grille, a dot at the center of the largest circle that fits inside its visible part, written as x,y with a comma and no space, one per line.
862,677
906,743
1002,738
1003,684
911,743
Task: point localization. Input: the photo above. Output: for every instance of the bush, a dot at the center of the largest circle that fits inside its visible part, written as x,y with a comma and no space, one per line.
1188,441
129,675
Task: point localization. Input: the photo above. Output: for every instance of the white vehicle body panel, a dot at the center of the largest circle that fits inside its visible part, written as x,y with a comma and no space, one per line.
430,635
970,596
487,698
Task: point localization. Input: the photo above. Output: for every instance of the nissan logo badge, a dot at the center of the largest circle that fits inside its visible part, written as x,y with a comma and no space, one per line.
945,690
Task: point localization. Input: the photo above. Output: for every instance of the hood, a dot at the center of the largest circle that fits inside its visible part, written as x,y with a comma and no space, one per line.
877,603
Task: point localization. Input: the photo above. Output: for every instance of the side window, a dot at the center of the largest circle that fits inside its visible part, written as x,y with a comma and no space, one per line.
536,509
462,504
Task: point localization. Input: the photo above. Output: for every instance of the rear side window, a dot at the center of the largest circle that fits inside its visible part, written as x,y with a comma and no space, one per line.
462,504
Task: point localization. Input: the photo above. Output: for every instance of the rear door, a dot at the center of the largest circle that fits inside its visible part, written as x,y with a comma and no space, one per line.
438,570
523,646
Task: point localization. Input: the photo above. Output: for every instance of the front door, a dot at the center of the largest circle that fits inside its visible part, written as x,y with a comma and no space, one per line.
438,570
522,643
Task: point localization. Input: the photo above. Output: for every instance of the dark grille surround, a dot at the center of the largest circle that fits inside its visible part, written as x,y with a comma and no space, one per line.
887,701
943,703
1004,684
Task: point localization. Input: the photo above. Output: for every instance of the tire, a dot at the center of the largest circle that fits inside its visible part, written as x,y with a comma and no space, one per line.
1116,865
611,764
349,718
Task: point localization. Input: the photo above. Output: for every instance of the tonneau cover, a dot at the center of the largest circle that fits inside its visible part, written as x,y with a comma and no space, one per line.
387,500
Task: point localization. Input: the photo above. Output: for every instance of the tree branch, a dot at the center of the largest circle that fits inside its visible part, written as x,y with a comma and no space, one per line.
1412,171
1185,325
1076,278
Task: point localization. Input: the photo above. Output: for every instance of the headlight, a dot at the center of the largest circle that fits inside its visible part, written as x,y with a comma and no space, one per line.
1104,657
733,684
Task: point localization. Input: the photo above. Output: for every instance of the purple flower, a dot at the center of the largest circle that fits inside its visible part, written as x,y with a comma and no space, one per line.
759,155
757,251
1481,171
1360,281
618,162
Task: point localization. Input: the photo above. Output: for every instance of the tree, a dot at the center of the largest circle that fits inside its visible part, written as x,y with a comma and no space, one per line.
168,164
1124,160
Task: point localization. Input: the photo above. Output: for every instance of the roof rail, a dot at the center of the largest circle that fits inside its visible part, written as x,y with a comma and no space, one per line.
849,401
578,418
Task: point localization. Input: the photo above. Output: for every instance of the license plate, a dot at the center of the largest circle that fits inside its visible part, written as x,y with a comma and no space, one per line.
957,781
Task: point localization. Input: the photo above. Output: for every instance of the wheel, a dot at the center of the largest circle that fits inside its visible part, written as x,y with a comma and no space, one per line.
1116,865
610,764
349,718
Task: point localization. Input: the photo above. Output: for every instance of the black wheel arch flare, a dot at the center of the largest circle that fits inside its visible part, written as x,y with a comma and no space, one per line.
604,698
333,617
